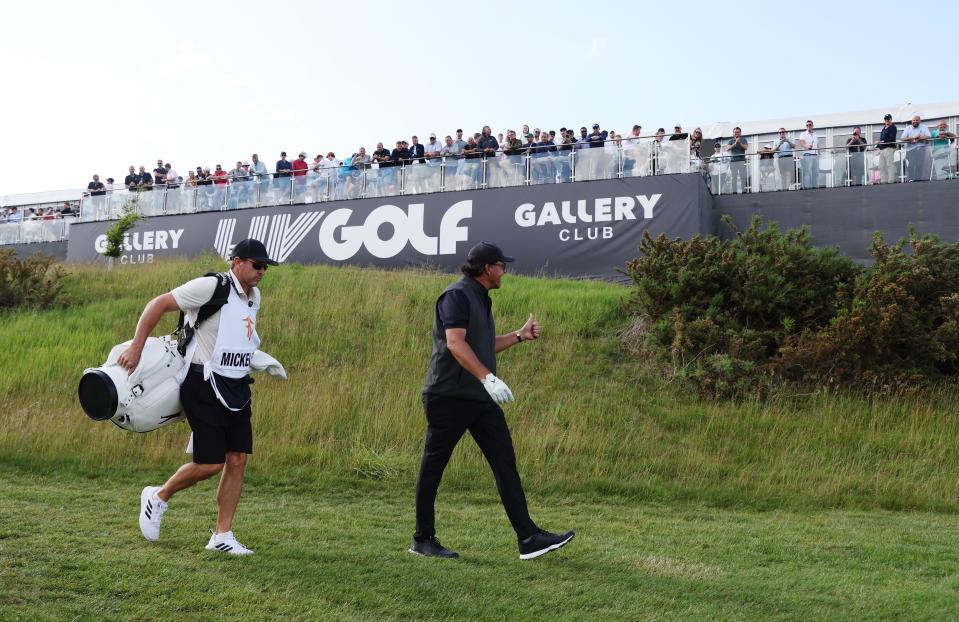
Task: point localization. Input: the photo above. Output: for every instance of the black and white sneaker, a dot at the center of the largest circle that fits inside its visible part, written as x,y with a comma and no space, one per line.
542,542
431,547
151,513
227,543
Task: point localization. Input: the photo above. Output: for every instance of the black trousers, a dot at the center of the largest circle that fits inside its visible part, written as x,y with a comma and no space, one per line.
447,420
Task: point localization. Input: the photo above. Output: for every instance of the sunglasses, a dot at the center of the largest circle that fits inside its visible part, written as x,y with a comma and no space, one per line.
258,265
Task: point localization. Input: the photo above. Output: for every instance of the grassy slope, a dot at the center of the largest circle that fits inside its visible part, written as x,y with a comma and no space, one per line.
684,511
587,419
338,554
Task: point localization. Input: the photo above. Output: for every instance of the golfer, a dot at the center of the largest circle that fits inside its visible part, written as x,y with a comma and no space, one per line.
463,393
215,393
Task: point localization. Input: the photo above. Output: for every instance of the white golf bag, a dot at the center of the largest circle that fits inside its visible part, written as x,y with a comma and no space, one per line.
142,401
150,396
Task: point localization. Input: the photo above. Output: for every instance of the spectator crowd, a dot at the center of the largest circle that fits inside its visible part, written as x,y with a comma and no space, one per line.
722,162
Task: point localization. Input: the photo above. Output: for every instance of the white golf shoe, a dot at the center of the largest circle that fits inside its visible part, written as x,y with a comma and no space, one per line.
151,513
227,543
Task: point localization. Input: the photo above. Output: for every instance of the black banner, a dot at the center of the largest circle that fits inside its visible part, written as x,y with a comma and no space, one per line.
578,229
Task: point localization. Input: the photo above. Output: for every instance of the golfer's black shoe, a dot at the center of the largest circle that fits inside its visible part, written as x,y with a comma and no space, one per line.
431,547
542,542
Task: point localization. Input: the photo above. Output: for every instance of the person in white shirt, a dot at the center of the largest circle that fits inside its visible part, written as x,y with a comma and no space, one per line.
215,392
631,149
917,137
810,157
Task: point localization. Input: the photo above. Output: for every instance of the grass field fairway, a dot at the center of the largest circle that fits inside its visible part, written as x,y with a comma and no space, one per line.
807,507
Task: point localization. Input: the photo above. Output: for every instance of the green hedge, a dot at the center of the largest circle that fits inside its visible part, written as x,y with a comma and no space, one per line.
743,316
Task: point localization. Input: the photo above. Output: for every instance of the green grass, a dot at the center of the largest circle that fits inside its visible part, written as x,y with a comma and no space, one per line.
70,549
803,507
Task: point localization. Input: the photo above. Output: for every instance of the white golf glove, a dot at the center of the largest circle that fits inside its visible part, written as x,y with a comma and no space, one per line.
497,389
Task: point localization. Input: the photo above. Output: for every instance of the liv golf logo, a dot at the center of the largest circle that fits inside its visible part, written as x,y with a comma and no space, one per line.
341,236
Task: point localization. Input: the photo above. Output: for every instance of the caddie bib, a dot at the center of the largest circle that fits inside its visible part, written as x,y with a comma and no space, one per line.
228,369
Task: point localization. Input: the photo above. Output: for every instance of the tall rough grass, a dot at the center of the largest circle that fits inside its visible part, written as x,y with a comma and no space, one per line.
588,418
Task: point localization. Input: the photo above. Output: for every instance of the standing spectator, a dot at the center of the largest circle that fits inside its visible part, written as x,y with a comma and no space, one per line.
678,133
447,146
767,171
512,145
219,176
597,137
239,190
472,167
809,143
281,182
132,180
719,169
417,151
109,185
736,147
284,168
384,179
916,136
14,216
381,155
171,176
784,156
237,173
887,151
261,175
459,145
486,143
943,167
433,149
541,160
66,209
144,180
96,187
400,154
159,173
220,180
205,191
631,147
856,147
299,166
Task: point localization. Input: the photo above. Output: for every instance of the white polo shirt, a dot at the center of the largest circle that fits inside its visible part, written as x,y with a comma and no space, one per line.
812,141
194,294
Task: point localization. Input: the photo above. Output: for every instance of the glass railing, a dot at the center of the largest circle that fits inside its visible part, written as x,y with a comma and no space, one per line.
724,173
43,229
837,167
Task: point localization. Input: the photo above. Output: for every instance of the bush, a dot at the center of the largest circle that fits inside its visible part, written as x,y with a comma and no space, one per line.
740,316
33,282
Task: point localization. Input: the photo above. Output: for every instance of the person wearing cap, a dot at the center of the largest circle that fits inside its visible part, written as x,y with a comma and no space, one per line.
887,151
433,150
239,189
283,169
462,393
300,167
215,389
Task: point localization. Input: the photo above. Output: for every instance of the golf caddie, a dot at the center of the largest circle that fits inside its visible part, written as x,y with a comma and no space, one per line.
463,393
215,390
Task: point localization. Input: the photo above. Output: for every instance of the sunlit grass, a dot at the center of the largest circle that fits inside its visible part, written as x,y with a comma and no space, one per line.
588,418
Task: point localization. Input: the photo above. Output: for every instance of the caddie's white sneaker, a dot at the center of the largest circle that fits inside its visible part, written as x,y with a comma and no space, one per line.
226,543
151,512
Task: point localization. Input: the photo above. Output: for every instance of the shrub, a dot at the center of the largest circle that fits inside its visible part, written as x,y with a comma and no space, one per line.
33,282
740,316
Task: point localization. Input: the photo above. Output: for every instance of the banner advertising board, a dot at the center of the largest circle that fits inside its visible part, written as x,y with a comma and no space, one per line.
579,229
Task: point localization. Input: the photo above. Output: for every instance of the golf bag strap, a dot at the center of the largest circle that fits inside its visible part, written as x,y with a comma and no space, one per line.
220,296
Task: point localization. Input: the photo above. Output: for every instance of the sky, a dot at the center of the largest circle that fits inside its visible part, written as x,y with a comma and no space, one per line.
93,87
